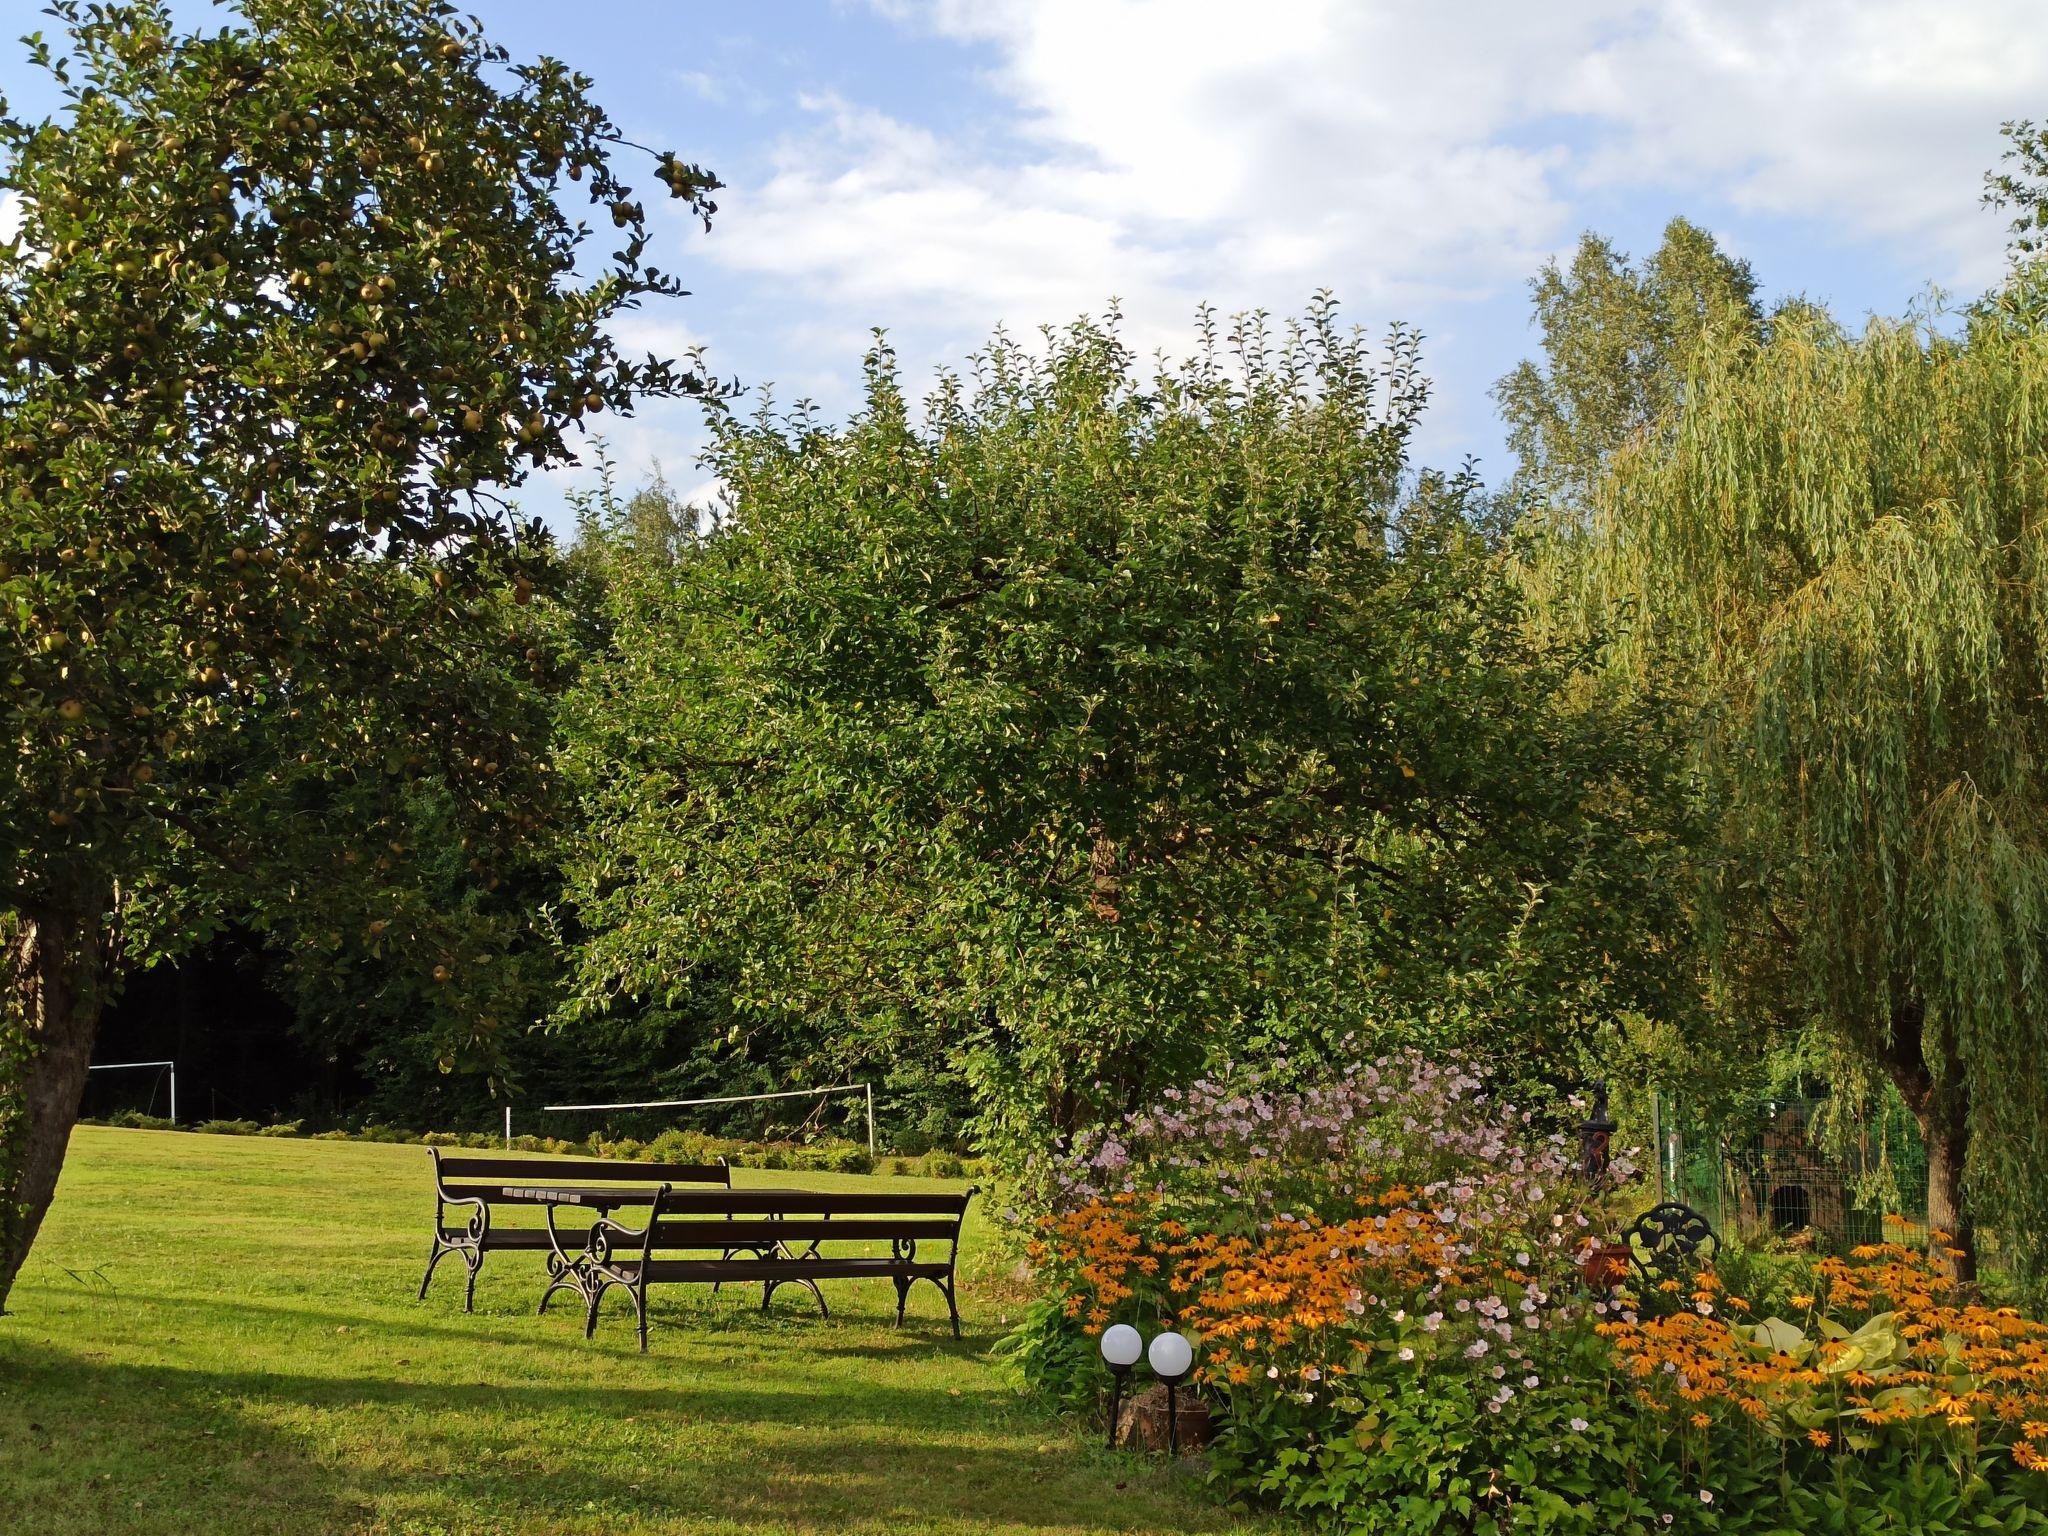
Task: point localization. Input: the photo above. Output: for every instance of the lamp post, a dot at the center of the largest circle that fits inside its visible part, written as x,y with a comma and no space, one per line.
1121,1347
1172,1357
1596,1137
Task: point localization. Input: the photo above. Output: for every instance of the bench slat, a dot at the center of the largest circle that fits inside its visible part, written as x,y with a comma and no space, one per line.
808,1202
713,1233
520,1238
571,1170
781,1269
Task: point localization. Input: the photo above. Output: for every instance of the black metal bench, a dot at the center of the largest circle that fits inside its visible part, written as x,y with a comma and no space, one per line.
485,1184
1669,1241
777,1236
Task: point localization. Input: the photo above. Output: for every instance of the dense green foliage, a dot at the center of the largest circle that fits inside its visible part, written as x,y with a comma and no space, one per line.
270,344
1841,547
1089,727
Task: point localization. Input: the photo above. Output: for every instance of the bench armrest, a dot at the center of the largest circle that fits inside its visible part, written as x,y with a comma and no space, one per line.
479,1223
604,1229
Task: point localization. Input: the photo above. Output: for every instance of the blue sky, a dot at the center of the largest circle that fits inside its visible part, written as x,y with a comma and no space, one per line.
938,167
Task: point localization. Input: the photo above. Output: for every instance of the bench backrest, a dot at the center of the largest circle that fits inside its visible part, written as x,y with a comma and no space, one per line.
475,1177
722,1219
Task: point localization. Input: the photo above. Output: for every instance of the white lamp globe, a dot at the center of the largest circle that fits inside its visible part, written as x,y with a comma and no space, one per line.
1121,1345
1171,1356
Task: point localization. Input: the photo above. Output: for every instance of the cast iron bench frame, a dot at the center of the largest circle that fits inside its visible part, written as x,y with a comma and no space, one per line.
781,1231
1666,1241
484,1182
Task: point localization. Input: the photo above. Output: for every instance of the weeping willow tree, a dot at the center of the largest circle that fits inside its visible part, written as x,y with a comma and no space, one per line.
1842,550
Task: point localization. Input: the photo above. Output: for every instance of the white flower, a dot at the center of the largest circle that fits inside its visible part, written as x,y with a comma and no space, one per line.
1706,1495
1580,1426
1407,1353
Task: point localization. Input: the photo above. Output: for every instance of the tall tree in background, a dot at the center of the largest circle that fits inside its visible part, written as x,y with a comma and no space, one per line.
1092,726
2021,188
1840,545
1616,341
290,297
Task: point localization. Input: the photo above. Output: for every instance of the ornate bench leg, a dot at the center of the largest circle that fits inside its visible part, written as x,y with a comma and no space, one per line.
441,1251
567,1280
902,1295
640,1306
952,1305
474,1258
768,1290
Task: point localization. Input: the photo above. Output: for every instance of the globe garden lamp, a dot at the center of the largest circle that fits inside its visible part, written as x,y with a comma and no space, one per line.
1171,1357
1121,1347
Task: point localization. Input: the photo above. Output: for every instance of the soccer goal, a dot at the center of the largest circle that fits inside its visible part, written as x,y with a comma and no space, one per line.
865,1090
169,1067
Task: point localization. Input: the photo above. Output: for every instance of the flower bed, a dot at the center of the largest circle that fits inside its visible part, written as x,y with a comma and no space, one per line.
1383,1273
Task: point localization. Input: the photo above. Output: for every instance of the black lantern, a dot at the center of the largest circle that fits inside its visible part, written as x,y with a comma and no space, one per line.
1596,1136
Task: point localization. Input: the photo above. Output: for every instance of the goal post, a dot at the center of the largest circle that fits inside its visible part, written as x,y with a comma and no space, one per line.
867,1090
170,1067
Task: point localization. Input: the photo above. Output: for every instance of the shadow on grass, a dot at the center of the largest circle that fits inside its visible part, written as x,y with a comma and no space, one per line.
693,1322
151,1449
134,1449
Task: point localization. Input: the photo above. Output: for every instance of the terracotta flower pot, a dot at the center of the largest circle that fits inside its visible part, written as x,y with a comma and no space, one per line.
1606,1265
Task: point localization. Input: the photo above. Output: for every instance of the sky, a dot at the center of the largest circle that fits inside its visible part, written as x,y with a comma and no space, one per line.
938,168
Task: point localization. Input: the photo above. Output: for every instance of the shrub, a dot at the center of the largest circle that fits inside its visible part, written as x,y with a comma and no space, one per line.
440,1139
849,1159
674,1146
132,1119
228,1128
282,1128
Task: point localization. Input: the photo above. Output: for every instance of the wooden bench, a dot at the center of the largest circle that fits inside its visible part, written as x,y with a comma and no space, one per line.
778,1237
485,1184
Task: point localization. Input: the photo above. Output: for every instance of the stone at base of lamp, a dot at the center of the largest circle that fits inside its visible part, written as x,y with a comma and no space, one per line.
1142,1426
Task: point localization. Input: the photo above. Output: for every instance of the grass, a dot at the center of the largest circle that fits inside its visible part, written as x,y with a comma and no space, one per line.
218,1334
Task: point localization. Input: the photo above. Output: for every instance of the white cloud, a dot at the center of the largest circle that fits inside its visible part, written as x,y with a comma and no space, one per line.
10,216
1875,118
1169,150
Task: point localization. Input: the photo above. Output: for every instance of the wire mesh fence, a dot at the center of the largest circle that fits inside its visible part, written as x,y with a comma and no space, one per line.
1801,1169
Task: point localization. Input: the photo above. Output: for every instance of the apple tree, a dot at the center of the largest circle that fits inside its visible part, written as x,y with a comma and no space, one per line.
292,302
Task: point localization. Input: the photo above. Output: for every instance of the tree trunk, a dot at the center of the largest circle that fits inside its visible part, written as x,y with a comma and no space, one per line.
1942,1111
54,970
1948,1147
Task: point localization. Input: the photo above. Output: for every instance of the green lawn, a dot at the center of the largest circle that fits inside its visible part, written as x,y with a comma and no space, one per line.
218,1334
